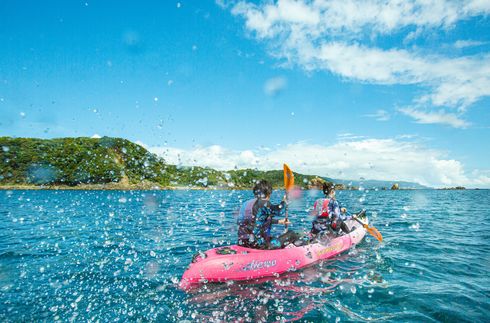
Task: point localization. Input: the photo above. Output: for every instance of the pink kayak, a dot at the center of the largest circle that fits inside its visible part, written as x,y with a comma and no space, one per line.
238,263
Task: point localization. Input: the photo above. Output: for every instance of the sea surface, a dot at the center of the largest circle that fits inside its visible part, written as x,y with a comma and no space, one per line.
119,255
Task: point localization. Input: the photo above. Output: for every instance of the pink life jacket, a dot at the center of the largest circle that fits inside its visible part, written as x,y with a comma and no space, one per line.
320,208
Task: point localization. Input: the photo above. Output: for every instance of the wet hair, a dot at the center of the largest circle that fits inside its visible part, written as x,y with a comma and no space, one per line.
262,189
327,188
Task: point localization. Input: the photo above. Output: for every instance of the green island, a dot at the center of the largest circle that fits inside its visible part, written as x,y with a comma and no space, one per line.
116,163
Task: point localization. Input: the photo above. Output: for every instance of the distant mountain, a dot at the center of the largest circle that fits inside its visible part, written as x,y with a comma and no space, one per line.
108,161
370,184
74,161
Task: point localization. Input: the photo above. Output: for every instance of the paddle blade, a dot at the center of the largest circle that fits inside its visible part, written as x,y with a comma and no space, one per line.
374,232
288,178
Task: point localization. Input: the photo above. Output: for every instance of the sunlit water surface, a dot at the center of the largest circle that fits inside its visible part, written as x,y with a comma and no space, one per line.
115,255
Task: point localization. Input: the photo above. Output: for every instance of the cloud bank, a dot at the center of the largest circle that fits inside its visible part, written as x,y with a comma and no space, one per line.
383,159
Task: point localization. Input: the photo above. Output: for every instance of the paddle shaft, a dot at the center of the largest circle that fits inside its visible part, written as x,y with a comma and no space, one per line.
286,215
363,224
371,230
288,183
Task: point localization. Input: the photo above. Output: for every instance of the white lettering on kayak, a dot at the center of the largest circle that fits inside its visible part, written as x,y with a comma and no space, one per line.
254,265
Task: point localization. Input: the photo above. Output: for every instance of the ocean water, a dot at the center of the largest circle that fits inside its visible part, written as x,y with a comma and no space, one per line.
119,255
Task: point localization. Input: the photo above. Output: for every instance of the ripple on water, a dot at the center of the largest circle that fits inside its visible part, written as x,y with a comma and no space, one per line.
102,255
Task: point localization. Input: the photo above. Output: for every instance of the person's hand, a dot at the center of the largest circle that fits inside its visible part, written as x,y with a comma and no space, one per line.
283,221
343,210
285,199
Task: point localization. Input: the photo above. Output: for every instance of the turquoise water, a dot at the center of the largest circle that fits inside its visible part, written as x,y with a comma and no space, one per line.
105,255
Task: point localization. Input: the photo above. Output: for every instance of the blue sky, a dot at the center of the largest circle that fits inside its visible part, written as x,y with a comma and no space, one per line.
396,90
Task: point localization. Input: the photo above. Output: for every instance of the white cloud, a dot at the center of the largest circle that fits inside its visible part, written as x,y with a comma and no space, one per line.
275,85
379,115
454,82
477,6
352,17
222,3
212,156
440,117
96,136
383,159
349,136
468,43
329,35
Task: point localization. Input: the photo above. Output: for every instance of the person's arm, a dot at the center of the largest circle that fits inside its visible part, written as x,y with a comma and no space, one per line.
333,209
260,228
343,213
278,209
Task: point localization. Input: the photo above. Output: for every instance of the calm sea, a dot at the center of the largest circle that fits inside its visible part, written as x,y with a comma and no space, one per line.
116,255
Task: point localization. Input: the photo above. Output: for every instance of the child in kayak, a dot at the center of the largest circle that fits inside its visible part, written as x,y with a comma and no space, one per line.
256,218
328,213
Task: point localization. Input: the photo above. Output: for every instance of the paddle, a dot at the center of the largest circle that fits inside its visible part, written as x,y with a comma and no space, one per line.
288,184
372,230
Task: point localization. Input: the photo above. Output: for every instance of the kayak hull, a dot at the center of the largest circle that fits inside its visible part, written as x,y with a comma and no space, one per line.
236,263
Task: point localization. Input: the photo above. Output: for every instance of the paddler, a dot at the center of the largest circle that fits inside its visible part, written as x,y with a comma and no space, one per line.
328,213
256,217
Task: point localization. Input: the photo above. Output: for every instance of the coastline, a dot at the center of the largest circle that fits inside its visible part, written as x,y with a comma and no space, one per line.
110,187
149,186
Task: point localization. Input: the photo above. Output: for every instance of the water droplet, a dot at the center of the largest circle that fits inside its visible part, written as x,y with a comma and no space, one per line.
415,226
